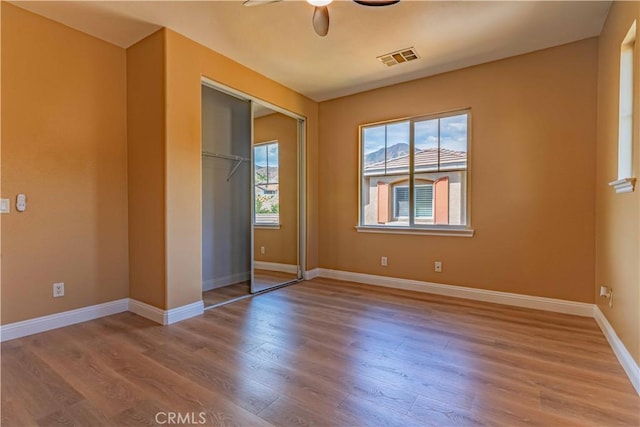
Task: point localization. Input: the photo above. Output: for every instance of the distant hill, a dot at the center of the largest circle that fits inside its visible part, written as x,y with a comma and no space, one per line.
273,171
397,150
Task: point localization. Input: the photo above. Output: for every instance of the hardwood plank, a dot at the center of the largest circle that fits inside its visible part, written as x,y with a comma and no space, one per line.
286,412
33,385
98,383
237,388
226,293
362,387
286,381
79,414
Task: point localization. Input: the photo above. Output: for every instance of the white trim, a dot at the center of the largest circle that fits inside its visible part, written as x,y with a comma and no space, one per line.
184,312
497,297
312,274
274,266
147,311
425,231
166,317
624,357
60,320
221,282
266,226
624,185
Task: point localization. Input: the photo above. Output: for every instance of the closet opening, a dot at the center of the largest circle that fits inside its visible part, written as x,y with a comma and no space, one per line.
252,198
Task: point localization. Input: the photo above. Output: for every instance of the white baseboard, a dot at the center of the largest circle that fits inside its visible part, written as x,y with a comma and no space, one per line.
166,317
59,320
274,266
184,312
311,274
221,282
624,357
147,311
507,298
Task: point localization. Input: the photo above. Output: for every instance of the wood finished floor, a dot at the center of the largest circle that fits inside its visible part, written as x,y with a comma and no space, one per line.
264,279
226,293
323,353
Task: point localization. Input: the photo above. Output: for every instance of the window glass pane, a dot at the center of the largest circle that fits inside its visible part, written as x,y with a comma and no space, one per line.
273,161
426,145
267,198
397,155
267,204
260,162
373,149
625,111
453,142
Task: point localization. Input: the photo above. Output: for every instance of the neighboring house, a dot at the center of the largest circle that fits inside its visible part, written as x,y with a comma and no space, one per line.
438,192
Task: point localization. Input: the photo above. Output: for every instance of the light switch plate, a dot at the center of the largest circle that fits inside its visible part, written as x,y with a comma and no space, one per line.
5,205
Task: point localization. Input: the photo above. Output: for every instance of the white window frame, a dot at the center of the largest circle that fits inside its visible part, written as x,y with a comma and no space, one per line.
627,93
416,228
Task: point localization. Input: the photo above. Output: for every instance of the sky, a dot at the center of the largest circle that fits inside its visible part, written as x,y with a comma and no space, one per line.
453,134
260,155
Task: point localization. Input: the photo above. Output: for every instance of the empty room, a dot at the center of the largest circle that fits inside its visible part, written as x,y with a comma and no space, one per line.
319,213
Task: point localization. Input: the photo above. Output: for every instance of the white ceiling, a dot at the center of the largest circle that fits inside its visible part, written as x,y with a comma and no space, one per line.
277,39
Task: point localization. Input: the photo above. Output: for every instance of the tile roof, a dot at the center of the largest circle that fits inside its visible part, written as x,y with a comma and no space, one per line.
424,159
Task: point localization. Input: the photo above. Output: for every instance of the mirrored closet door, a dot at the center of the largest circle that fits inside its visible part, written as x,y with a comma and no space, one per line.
276,202
251,199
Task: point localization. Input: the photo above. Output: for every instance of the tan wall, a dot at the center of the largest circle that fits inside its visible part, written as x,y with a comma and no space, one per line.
146,153
186,63
531,176
618,215
280,244
64,146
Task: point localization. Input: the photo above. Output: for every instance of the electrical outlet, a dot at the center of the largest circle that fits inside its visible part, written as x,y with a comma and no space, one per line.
58,290
437,266
383,261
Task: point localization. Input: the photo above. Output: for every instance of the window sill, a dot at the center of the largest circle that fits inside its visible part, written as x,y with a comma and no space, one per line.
425,231
624,185
266,226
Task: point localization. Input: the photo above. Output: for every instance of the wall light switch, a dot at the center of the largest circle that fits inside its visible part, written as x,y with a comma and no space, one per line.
4,205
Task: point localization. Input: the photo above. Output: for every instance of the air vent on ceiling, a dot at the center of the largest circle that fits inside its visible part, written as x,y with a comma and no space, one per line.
398,57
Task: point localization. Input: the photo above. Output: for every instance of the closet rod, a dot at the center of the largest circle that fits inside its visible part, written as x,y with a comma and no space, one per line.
226,156
229,157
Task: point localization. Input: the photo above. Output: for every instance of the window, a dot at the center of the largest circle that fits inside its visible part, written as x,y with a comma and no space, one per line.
423,203
414,173
625,181
266,191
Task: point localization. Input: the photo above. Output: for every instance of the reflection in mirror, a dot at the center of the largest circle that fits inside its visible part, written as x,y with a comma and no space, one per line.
275,172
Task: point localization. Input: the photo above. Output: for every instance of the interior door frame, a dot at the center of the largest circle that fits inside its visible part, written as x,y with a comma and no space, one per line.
302,173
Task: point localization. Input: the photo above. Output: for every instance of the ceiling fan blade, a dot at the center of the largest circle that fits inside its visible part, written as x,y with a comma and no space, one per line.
321,20
258,2
376,2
